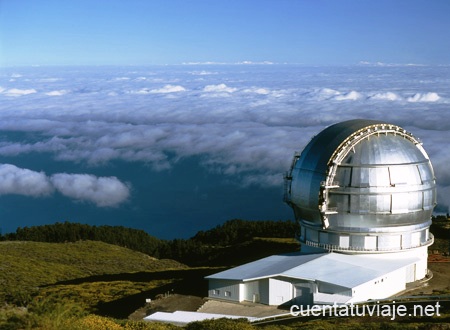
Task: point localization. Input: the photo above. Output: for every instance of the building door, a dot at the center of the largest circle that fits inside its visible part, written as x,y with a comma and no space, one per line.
410,273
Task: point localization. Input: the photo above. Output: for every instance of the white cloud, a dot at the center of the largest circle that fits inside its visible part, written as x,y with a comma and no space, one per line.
168,89
257,90
19,92
102,191
203,73
204,63
262,91
328,92
220,88
255,63
57,93
382,64
164,90
352,96
20,181
230,63
389,96
424,97
323,94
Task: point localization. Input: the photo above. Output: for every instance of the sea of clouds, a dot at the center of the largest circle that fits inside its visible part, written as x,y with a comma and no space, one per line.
243,122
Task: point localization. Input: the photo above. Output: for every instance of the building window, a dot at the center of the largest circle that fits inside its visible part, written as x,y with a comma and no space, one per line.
227,293
216,292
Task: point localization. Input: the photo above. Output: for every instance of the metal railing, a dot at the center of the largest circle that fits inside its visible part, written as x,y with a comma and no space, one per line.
332,247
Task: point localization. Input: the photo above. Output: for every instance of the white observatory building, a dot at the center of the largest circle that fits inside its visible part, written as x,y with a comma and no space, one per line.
363,192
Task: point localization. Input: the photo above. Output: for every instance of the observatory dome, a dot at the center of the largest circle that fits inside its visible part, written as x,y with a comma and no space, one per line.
364,185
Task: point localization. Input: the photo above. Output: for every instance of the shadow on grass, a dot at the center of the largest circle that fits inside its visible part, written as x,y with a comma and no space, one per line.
143,276
185,282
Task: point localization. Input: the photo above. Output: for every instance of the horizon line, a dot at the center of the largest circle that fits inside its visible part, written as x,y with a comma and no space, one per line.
240,63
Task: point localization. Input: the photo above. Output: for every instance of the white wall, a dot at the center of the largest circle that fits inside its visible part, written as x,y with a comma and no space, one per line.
251,291
421,269
382,287
280,291
224,289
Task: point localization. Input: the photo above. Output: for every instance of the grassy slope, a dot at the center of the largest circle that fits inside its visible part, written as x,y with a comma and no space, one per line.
25,265
108,279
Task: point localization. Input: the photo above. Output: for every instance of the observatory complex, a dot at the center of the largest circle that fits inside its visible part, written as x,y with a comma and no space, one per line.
363,192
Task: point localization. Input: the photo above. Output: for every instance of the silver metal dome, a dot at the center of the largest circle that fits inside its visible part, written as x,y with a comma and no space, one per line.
362,176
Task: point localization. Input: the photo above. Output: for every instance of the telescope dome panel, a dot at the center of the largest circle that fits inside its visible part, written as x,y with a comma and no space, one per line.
362,176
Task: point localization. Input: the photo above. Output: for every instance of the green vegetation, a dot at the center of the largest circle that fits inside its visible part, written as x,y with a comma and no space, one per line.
355,323
238,231
134,239
62,285
75,276
440,228
80,277
204,249
235,242
28,265
197,254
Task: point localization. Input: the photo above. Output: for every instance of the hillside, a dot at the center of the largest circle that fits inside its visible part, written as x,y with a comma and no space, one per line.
28,265
57,285
216,246
41,281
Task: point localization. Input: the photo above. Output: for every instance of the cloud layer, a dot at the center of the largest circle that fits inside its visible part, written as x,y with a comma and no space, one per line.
245,122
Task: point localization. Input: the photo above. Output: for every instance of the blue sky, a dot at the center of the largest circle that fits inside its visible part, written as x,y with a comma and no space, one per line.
134,32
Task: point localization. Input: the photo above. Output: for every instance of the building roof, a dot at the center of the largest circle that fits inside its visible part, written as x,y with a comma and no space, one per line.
266,267
339,269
